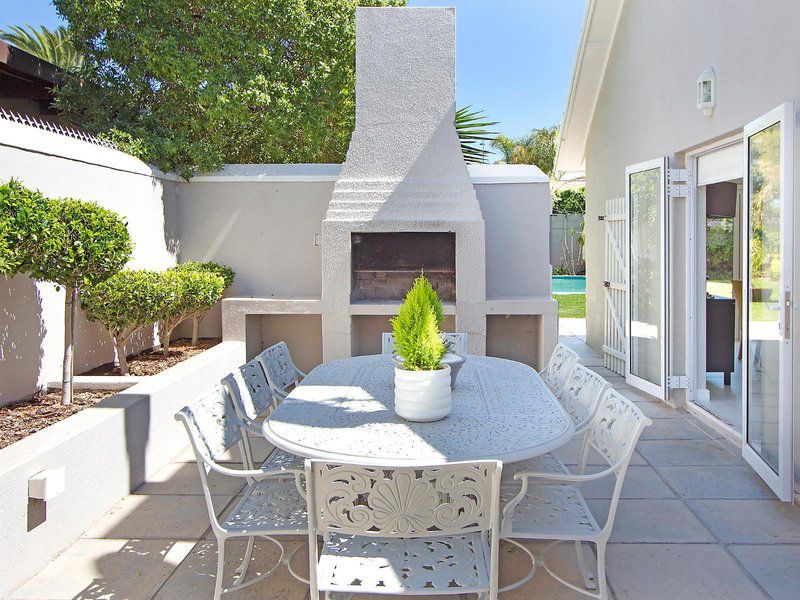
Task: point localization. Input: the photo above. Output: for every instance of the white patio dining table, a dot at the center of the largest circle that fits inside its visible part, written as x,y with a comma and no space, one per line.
343,411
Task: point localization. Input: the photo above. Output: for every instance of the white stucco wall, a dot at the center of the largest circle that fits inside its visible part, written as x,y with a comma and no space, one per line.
646,109
31,313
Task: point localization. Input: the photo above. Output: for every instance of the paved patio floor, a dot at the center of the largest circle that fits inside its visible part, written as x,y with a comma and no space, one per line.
694,522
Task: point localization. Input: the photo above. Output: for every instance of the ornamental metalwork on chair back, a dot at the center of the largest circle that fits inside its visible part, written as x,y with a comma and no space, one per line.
249,389
404,502
558,368
616,427
280,371
581,395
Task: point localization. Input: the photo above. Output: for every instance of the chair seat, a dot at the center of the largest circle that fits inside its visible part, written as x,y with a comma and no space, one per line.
281,460
271,507
546,463
548,511
433,566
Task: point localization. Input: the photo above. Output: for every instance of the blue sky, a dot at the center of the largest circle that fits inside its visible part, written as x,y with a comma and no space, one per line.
514,56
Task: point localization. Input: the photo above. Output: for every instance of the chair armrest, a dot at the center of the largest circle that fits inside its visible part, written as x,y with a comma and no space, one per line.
252,426
300,373
255,474
563,478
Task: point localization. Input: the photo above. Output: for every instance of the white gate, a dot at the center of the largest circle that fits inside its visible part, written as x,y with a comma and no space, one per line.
615,285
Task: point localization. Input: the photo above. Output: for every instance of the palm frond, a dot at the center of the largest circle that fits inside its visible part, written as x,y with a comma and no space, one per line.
473,128
53,45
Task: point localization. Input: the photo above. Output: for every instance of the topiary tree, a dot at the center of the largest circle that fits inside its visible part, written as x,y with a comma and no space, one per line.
187,292
417,338
125,303
227,275
86,244
24,224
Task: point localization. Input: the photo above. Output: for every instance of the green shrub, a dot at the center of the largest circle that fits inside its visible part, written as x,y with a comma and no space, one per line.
24,223
417,338
125,303
187,293
569,201
210,266
67,242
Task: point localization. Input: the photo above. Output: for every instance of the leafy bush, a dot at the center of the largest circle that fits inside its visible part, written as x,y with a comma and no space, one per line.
68,242
187,293
417,338
569,201
23,226
719,248
125,303
227,275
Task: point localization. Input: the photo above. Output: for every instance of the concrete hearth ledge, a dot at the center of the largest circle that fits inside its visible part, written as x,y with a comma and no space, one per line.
106,451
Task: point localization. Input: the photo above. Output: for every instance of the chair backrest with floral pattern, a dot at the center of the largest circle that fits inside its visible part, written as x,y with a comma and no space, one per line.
558,368
456,343
280,370
581,395
249,390
397,502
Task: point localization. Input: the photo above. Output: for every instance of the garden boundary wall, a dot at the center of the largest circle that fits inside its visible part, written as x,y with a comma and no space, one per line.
32,313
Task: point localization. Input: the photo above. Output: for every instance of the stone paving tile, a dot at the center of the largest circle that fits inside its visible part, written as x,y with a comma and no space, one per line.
130,569
570,454
720,481
677,572
749,521
776,568
686,452
640,482
157,517
672,429
184,478
664,521
655,410
194,578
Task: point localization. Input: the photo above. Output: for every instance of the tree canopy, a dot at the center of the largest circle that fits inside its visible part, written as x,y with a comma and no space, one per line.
537,148
192,85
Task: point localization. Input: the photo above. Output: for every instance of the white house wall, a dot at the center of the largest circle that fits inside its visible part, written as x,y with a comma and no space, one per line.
646,109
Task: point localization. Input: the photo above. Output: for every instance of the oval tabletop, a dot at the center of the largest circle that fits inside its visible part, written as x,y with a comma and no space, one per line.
344,411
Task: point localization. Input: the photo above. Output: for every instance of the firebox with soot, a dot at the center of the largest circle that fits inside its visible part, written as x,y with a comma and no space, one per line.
384,265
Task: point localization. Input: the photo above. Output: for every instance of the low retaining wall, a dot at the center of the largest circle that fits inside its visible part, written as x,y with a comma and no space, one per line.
106,452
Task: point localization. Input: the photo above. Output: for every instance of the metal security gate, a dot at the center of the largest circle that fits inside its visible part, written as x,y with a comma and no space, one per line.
615,285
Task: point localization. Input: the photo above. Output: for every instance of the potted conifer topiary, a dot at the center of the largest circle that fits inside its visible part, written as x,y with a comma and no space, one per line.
421,381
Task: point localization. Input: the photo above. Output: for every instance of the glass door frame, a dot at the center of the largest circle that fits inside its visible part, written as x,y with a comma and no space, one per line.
659,390
781,482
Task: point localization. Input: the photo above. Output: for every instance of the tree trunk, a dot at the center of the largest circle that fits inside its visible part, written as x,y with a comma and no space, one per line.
70,310
122,359
195,329
165,335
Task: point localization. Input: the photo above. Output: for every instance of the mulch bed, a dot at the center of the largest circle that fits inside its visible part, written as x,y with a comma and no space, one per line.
151,362
23,418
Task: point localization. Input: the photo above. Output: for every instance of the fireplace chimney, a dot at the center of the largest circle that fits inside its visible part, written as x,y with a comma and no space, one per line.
404,171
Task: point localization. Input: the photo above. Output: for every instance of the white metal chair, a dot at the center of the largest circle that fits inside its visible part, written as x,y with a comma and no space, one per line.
456,343
429,530
550,506
281,373
580,397
270,506
248,389
559,367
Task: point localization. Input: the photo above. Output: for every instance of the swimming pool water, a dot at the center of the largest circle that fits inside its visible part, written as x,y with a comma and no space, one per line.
568,284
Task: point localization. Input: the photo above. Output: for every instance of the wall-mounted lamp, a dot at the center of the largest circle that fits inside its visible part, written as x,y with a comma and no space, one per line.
707,92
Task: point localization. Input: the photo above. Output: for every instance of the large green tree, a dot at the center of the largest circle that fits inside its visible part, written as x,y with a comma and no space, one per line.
198,83
537,148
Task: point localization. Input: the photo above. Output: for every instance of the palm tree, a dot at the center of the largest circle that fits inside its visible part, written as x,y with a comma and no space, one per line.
473,128
54,46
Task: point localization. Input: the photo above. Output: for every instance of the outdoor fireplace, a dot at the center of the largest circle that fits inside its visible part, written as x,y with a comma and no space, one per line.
386,264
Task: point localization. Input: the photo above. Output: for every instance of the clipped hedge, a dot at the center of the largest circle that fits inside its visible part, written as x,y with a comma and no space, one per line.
125,303
223,271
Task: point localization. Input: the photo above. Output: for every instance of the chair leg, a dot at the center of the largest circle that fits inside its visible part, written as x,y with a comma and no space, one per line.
588,576
242,568
220,568
601,571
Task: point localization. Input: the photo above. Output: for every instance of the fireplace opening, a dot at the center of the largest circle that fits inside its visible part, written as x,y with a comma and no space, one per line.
385,264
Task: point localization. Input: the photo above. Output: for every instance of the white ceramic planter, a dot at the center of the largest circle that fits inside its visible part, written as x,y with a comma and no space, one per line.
422,395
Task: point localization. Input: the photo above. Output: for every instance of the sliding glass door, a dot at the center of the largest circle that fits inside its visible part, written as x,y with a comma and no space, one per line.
767,239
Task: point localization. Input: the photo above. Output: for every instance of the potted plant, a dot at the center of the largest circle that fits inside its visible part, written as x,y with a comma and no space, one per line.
421,381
